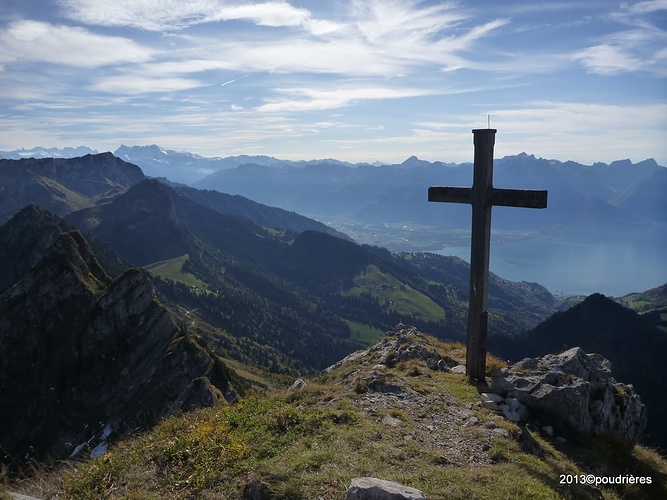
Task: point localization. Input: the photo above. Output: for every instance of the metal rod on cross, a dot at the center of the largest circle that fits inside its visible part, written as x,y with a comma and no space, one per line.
483,196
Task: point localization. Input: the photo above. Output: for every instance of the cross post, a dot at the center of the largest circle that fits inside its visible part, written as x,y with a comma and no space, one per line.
483,196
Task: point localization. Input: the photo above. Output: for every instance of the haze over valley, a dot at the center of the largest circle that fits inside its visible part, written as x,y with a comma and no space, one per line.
605,228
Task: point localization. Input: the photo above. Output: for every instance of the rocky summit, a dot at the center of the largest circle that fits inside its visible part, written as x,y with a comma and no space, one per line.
576,390
85,359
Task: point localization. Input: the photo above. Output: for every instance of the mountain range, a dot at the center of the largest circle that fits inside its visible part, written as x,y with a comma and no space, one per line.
585,201
580,197
606,220
40,152
233,282
261,295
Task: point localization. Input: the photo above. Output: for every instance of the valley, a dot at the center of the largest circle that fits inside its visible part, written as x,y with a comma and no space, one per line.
253,296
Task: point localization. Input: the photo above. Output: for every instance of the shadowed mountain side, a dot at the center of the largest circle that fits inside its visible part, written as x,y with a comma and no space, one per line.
141,224
280,289
63,185
26,237
153,222
636,348
645,199
263,215
237,260
88,352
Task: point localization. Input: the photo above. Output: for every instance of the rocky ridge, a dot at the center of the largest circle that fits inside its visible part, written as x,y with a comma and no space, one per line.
97,357
63,185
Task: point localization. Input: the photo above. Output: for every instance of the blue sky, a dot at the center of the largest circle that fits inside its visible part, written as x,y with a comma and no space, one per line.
355,80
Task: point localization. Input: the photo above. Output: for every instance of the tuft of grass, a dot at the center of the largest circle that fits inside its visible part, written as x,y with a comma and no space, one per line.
494,364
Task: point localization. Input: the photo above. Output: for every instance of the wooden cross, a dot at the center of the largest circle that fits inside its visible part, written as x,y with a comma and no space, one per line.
482,196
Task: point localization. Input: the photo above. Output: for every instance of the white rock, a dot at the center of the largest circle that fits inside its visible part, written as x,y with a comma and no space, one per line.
99,450
491,396
370,488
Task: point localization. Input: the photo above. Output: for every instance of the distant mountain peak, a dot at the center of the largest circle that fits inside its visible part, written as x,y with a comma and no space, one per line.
41,152
413,161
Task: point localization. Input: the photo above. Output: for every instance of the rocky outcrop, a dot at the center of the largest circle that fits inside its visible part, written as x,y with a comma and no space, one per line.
84,358
370,488
404,343
575,390
26,238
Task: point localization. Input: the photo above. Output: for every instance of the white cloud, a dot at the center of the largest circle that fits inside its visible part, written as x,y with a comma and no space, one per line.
635,49
581,132
168,15
43,42
646,7
309,99
607,60
143,14
377,37
137,84
574,117
264,14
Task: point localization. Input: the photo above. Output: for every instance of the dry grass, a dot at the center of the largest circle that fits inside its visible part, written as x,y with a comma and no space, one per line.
309,444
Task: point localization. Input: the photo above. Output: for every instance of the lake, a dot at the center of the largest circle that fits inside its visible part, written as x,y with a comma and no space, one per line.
612,268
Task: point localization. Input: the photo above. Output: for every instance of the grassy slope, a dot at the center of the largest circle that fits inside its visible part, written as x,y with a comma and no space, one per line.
173,269
402,298
308,444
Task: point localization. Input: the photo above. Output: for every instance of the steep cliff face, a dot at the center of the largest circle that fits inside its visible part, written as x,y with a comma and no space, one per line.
84,358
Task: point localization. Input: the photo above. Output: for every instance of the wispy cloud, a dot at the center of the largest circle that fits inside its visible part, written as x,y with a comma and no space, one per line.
637,48
583,131
168,15
645,7
309,99
551,129
138,84
380,37
36,41
607,59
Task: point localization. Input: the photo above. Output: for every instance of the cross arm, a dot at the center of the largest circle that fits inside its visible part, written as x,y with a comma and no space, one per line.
525,198
450,194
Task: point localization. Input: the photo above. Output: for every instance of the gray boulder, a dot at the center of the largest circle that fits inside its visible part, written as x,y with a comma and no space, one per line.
575,389
370,488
